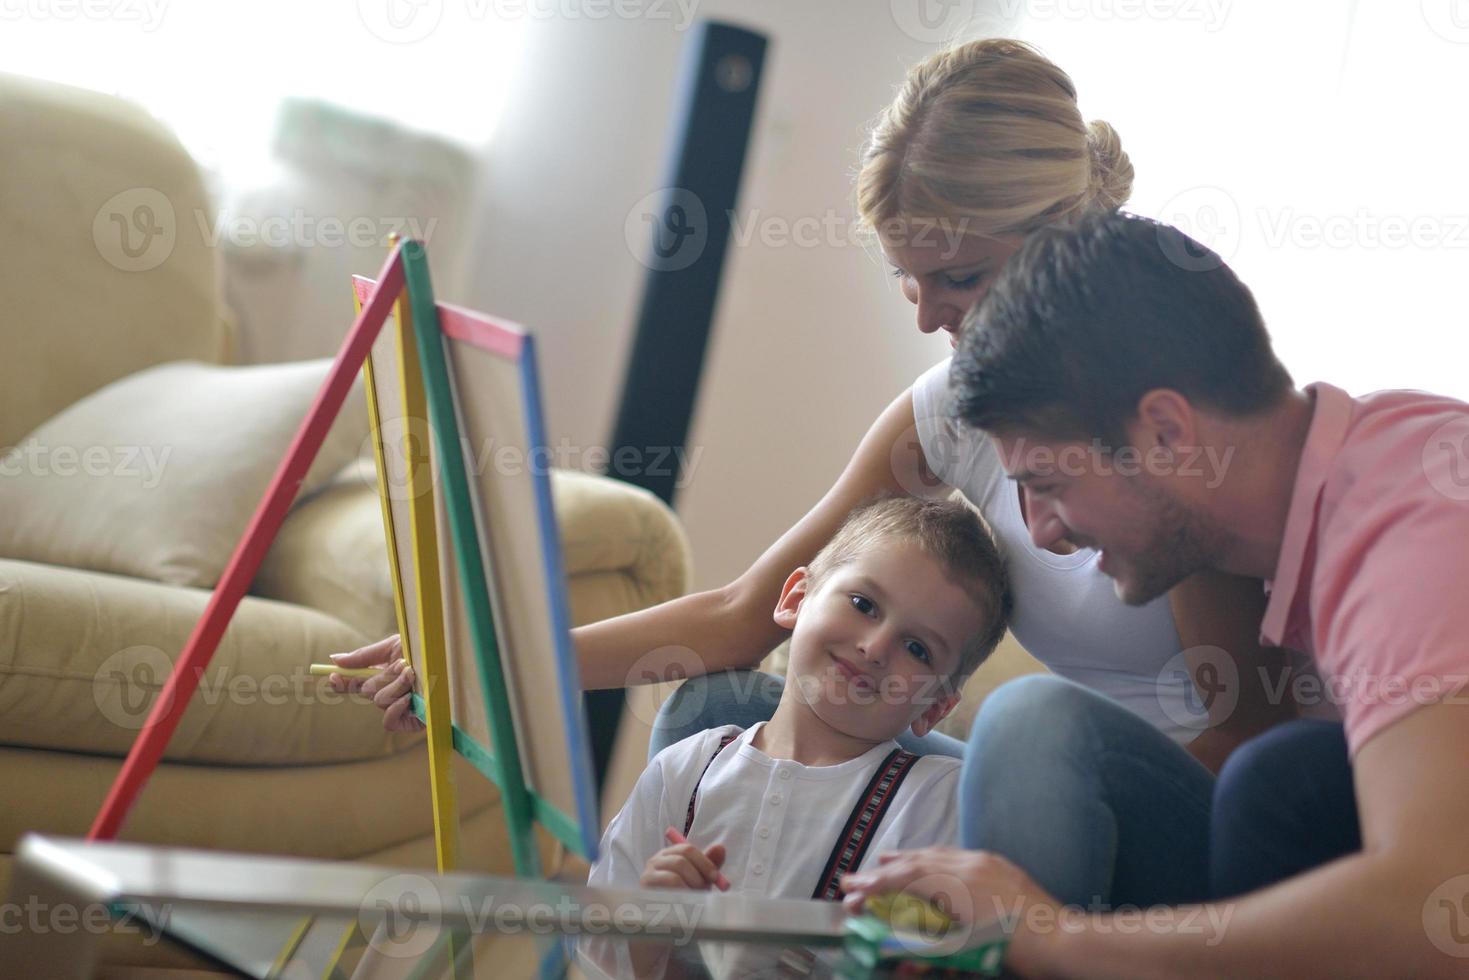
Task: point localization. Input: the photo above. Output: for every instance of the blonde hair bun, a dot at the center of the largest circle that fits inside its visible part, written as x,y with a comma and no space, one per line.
1111,168
987,136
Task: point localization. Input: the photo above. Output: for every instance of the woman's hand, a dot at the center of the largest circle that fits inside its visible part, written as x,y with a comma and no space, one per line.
974,888
389,688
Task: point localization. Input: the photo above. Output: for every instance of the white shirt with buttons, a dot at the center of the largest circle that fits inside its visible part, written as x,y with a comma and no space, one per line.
777,819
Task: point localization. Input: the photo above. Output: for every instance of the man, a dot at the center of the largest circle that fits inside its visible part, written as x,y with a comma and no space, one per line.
1111,357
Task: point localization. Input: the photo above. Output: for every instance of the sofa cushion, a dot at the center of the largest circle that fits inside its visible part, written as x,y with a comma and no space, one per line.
622,549
90,295
83,656
157,475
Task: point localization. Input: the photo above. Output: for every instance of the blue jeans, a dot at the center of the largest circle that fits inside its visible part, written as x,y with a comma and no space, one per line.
1285,803
1092,801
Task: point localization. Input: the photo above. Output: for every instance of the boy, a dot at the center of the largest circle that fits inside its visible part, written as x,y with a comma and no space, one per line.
887,622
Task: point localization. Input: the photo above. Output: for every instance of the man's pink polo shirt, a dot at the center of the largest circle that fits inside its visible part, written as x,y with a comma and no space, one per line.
1373,575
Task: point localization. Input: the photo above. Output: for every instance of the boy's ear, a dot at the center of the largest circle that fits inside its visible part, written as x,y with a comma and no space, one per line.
934,714
792,594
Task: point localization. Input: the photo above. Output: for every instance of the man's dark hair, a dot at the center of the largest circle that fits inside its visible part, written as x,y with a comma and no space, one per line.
1091,315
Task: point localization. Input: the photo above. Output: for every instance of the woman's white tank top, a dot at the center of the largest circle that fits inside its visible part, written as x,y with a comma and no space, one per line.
1066,612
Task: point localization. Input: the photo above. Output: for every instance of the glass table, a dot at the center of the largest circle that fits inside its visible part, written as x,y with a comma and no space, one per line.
267,917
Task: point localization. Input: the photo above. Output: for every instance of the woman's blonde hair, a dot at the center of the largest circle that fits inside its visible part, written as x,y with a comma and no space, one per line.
987,136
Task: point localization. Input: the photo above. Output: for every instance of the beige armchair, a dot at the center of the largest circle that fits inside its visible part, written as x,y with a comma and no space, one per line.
300,775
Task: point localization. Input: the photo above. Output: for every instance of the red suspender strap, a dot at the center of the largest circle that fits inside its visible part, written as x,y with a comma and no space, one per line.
689,820
863,822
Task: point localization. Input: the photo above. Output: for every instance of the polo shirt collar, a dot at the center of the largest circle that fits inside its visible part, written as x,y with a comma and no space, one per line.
1330,418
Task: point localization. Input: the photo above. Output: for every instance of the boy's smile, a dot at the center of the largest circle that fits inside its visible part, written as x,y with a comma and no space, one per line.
873,644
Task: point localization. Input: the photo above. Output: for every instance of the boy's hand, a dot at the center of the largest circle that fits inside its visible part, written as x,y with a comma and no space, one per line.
389,688
682,865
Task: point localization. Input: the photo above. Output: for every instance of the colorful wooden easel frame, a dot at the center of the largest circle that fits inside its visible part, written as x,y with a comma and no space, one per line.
456,353
435,329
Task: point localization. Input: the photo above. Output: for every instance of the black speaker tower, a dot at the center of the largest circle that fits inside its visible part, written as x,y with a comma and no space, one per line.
688,222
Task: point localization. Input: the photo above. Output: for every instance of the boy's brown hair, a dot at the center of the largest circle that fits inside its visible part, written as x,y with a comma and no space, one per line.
945,529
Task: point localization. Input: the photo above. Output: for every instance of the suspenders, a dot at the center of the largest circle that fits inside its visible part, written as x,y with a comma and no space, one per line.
861,824
689,820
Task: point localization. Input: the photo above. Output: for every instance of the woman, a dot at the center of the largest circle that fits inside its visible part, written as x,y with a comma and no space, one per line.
983,144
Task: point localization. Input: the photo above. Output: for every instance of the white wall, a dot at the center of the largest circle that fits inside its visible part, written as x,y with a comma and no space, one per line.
809,342
1248,122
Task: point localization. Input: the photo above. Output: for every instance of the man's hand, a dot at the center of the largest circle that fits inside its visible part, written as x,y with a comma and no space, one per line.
389,688
682,865
974,888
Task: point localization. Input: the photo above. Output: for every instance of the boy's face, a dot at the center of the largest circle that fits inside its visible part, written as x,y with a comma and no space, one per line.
872,646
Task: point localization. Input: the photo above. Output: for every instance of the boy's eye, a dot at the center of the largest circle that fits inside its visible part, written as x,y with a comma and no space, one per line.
862,604
968,282
920,651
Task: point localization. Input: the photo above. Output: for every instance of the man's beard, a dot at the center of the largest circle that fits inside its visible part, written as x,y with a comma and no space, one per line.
1180,542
